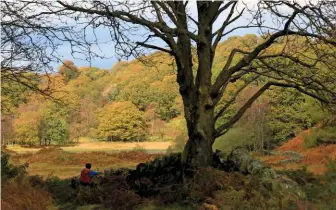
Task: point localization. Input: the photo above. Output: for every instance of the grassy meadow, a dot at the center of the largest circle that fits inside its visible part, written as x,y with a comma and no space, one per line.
88,145
56,166
67,161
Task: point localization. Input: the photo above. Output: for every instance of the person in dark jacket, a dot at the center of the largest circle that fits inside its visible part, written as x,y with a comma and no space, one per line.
86,175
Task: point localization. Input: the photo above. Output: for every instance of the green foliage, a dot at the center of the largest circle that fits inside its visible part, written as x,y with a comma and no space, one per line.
68,70
287,116
52,128
60,189
139,148
122,121
179,124
320,190
15,92
8,170
272,119
165,95
233,138
26,127
113,93
139,93
320,136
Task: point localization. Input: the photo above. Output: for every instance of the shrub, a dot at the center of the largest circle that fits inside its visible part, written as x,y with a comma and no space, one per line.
60,189
330,175
116,194
139,148
8,170
320,190
168,207
121,200
88,195
319,136
18,196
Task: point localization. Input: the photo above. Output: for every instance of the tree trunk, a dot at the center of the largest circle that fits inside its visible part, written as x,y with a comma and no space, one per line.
198,150
196,93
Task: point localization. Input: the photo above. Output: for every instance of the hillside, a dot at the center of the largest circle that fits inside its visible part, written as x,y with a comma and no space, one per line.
140,101
294,155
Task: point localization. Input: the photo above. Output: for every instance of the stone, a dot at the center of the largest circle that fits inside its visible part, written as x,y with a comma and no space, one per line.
263,175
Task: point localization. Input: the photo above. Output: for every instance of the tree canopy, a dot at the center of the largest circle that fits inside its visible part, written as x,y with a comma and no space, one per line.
122,121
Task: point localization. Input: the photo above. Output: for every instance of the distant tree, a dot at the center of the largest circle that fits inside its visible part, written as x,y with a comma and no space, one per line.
7,130
164,94
112,93
26,128
87,119
138,92
68,70
255,120
119,65
288,114
53,127
122,121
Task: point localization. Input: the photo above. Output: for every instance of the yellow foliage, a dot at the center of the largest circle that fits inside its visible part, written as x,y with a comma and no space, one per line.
122,121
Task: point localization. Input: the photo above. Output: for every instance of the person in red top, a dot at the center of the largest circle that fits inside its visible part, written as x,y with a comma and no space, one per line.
86,175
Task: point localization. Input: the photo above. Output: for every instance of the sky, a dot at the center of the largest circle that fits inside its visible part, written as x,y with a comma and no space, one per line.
107,49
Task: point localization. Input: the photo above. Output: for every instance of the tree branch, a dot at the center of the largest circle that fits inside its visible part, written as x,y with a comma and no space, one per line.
233,98
221,129
155,47
227,22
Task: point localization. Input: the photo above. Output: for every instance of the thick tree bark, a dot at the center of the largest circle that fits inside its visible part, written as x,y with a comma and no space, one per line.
198,150
201,129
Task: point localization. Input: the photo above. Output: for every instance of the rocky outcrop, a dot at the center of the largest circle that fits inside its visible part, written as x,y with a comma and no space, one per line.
262,175
150,178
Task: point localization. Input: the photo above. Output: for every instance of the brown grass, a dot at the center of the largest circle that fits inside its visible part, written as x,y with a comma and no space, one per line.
117,146
18,196
86,145
295,144
64,164
314,158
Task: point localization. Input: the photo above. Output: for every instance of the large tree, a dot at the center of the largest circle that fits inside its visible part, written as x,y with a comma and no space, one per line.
297,50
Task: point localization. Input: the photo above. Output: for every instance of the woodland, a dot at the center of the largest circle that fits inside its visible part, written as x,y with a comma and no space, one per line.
189,72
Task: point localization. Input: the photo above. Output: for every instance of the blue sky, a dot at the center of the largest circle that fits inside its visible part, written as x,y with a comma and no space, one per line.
108,50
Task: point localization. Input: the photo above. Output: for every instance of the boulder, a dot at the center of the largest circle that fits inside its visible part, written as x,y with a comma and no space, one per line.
262,175
240,160
325,140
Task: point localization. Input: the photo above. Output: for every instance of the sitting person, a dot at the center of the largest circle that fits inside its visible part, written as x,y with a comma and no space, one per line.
86,175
